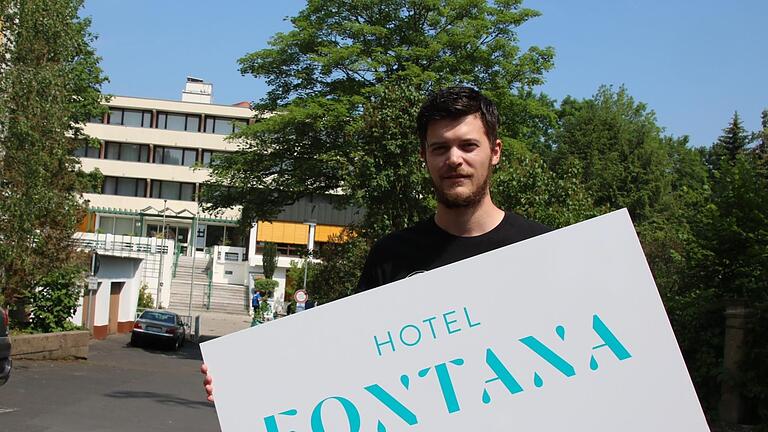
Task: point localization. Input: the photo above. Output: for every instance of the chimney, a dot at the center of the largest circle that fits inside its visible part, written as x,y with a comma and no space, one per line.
197,90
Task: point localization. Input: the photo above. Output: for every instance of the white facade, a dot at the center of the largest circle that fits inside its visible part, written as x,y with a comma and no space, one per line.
153,156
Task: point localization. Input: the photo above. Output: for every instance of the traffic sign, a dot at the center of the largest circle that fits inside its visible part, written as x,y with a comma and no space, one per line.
301,296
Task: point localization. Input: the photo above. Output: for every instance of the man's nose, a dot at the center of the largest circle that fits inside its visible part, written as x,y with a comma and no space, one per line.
455,157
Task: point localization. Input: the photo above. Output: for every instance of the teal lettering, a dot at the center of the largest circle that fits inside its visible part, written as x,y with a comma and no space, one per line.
469,320
502,374
609,340
386,342
448,323
431,327
271,422
393,404
550,356
353,415
446,385
418,335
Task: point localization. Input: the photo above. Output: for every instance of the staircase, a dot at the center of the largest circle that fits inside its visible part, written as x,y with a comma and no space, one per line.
231,299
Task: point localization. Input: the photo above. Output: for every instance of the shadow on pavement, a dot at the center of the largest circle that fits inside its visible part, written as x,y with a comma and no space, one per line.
190,350
163,398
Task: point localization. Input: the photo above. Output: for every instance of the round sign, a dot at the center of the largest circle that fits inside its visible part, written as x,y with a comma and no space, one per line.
300,296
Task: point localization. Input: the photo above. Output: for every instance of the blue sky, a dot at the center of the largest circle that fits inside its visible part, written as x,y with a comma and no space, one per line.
693,62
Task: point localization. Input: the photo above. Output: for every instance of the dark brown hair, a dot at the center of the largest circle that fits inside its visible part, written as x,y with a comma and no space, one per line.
454,103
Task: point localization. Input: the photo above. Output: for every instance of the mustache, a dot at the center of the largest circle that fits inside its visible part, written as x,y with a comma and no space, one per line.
455,173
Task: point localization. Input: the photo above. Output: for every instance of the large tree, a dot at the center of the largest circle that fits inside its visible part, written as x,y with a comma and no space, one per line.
345,84
619,145
49,86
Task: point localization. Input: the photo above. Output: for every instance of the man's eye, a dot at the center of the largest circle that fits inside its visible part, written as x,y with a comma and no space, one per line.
438,149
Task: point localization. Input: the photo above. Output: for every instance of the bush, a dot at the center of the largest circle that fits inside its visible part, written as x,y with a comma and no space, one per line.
268,286
55,300
145,298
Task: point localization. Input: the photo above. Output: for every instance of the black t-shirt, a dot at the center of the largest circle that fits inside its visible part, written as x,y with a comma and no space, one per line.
426,246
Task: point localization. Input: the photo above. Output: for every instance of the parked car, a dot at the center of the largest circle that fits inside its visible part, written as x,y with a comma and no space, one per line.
5,348
160,326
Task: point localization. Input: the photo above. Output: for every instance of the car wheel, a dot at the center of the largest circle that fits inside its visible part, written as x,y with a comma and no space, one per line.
134,340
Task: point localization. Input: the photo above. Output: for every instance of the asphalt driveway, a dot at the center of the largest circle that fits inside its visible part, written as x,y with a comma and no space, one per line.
119,388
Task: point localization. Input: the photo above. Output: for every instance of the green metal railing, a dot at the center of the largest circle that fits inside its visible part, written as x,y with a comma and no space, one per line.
176,254
210,283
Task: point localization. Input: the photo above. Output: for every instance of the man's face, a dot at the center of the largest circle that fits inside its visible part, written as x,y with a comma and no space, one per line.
459,159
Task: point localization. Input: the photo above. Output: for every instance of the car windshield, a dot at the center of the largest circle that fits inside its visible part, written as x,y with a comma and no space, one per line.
158,316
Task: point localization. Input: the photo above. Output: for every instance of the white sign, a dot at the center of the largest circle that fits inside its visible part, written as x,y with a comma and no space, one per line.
93,284
575,338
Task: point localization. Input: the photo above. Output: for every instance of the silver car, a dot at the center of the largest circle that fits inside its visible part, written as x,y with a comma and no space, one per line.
160,326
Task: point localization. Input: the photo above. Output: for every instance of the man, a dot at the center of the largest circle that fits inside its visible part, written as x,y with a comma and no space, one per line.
458,129
256,302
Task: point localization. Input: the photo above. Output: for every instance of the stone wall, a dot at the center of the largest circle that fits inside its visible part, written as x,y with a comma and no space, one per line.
50,346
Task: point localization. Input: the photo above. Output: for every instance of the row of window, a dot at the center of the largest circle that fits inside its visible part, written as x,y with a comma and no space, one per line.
214,234
162,189
140,153
172,121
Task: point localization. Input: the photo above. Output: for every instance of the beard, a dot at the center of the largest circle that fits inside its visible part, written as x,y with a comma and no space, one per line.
453,200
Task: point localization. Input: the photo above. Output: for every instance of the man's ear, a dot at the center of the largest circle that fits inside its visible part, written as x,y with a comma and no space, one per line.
496,152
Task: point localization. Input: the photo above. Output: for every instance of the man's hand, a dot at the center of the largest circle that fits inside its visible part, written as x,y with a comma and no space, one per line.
207,382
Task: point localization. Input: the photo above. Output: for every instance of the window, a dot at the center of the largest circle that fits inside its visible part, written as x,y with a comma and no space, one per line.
96,119
119,225
175,156
178,122
208,156
88,151
126,117
127,152
223,125
173,190
124,186
285,249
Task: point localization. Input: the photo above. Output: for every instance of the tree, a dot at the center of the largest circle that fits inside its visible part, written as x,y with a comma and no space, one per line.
525,183
618,144
339,269
49,87
335,72
731,143
269,260
761,137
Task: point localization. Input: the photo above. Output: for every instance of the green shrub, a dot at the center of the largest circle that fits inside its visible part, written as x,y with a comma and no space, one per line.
268,286
145,298
55,300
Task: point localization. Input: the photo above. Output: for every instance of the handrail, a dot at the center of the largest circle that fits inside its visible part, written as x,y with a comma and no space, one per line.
210,280
176,254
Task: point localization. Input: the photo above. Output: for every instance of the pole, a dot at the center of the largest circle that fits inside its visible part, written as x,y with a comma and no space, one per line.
90,292
194,247
162,253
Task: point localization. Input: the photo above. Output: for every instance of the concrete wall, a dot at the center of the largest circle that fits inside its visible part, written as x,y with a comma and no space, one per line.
126,270
51,346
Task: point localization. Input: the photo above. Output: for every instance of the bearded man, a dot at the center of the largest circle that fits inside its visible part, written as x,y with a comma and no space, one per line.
457,128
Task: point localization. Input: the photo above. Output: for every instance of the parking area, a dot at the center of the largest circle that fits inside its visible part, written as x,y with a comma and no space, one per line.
119,388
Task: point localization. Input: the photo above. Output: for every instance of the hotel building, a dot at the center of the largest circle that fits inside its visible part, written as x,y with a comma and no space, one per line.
154,156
